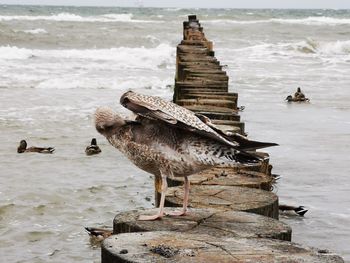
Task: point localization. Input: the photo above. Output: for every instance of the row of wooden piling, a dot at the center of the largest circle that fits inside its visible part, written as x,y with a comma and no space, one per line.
234,214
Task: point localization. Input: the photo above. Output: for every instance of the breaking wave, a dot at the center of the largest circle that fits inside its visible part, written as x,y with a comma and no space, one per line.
68,17
114,68
140,56
324,48
36,31
314,21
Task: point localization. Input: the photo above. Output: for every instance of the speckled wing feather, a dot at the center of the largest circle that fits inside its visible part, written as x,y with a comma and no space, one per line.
156,108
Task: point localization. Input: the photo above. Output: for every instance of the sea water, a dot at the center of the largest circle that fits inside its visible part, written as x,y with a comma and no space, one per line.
58,64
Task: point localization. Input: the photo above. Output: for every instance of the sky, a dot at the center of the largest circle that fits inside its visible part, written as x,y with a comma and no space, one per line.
314,4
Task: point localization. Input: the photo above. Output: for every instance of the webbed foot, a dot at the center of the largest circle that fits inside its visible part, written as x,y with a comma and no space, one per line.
177,213
150,218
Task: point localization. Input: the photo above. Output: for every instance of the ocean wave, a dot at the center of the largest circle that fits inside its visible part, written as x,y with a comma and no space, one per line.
119,17
35,31
140,55
113,68
323,48
114,83
314,21
68,17
323,20
331,51
173,9
8,52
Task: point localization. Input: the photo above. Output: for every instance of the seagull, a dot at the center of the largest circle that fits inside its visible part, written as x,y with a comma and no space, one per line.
22,148
168,140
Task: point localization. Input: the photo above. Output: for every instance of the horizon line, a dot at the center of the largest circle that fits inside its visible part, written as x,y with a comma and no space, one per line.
247,8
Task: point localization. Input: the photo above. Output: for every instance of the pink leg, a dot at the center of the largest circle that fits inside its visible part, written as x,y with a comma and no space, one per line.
160,214
185,202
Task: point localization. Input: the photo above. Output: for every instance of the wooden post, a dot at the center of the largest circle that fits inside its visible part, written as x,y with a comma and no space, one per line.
205,220
165,246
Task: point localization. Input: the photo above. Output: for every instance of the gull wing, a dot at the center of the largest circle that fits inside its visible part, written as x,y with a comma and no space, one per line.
157,108
244,143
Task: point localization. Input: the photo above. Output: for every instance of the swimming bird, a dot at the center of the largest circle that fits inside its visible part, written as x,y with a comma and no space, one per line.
92,148
300,210
290,98
168,140
23,148
98,234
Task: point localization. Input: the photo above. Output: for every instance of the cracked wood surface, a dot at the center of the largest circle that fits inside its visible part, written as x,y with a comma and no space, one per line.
226,198
205,221
227,177
165,246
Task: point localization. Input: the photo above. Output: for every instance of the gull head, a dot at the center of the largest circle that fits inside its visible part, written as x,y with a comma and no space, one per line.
107,122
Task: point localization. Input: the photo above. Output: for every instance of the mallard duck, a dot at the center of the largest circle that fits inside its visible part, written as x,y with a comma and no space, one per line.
98,234
168,140
290,98
92,148
300,210
22,148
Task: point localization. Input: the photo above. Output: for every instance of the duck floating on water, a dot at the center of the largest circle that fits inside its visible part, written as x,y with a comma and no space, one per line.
298,97
22,148
92,148
292,99
98,234
300,210
168,140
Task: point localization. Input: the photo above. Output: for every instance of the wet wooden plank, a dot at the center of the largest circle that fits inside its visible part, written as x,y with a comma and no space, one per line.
226,198
204,76
228,123
222,115
212,85
216,109
165,246
208,102
198,70
199,63
211,221
227,177
191,57
209,95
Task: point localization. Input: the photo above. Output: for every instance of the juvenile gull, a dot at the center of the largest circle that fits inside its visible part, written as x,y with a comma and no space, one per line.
168,140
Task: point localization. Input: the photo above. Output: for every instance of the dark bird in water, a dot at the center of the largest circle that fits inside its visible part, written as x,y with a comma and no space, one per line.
98,234
290,98
168,140
22,148
300,210
92,148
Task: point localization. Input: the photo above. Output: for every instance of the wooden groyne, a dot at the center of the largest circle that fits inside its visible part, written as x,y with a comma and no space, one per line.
233,215
201,84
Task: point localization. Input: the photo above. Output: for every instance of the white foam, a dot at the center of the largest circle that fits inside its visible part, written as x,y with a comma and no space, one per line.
173,9
141,57
119,17
35,31
117,83
315,21
324,48
113,68
68,17
8,52
337,50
